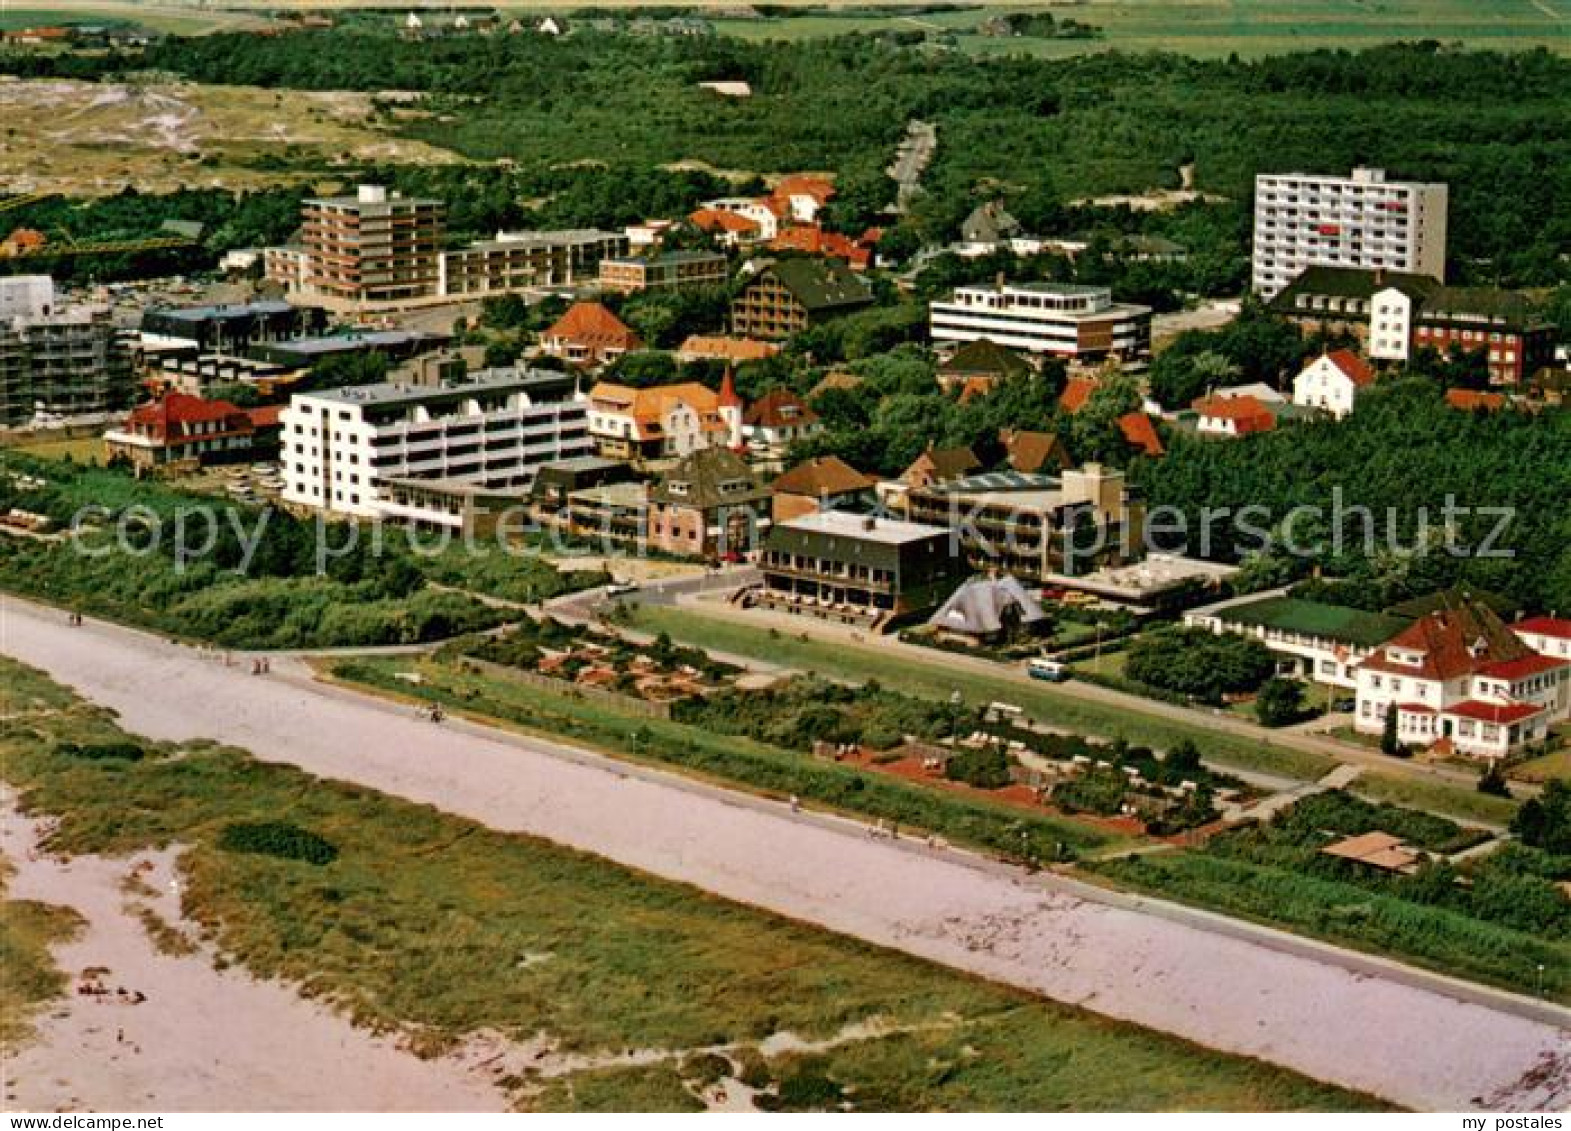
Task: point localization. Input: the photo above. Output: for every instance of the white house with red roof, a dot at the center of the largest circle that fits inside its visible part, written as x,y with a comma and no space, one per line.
796,200
1332,382
1462,677
589,335
801,196
1232,416
658,422
181,427
774,422
740,219
1548,636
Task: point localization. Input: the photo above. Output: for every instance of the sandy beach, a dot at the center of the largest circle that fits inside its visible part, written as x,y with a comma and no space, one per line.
202,1039
1363,1022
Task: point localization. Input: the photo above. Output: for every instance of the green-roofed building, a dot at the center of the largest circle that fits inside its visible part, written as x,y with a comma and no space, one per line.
980,365
791,294
1311,640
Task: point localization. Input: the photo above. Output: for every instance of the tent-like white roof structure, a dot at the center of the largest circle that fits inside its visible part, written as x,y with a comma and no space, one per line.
979,606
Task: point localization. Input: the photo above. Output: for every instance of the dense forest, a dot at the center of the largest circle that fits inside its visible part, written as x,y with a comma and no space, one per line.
1402,455
1496,127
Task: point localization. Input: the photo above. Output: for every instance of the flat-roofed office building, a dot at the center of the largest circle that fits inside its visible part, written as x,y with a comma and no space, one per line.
1062,319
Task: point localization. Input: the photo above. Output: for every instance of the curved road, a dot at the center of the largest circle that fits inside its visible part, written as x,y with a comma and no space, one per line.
1411,1037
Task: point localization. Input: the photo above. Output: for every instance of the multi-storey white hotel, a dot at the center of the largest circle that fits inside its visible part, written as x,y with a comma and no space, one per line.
1304,220
424,453
1063,319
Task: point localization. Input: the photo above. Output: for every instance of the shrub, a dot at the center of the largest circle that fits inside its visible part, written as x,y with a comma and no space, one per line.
1193,661
1281,702
807,1088
1493,781
987,768
102,751
277,838
1545,821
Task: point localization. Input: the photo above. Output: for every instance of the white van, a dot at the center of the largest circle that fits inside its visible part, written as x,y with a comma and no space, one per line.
1050,670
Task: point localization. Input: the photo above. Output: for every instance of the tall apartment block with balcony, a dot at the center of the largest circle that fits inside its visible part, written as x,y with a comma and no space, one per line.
372,247
429,453
58,360
1363,220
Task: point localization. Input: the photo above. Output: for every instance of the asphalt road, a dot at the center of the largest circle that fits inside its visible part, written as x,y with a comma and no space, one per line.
1411,1037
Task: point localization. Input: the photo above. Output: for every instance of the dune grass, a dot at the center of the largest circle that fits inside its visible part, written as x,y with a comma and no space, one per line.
437,927
28,975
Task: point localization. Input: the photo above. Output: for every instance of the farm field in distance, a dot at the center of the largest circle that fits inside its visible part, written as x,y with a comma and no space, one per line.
1222,27
174,18
1195,27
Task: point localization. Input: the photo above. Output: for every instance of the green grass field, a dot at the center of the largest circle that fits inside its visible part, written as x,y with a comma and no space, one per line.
843,660
1221,27
436,927
82,449
1196,27
1437,797
173,18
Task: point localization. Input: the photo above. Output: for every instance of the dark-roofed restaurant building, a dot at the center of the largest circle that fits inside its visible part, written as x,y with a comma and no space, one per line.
791,294
857,569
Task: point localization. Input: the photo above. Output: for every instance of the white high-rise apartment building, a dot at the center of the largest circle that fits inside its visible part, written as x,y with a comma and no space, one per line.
1303,220
415,451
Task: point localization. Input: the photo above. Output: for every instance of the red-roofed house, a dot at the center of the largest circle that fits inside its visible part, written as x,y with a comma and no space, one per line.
1462,676
660,422
23,241
1332,382
802,195
813,240
588,334
182,427
1139,429
1076,393
774,422
731,228
1469,400
1232,416
1548,636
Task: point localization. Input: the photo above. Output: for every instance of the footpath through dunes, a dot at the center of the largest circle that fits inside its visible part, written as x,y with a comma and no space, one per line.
1404,1035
